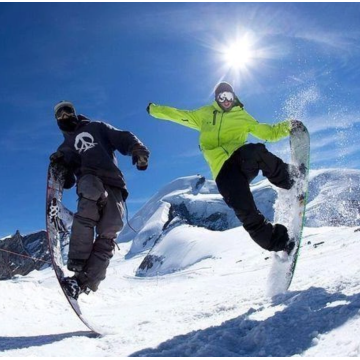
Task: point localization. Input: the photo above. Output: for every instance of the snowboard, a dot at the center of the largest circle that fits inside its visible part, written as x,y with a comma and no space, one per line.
58,225
290,210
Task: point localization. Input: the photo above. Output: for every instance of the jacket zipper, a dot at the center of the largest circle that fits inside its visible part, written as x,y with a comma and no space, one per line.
221,120
220,128
214,117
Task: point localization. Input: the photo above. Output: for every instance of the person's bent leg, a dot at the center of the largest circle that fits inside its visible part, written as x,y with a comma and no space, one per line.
108,229
90,191
233,185
272,167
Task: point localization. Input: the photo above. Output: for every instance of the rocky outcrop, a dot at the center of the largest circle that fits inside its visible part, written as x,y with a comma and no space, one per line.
20,255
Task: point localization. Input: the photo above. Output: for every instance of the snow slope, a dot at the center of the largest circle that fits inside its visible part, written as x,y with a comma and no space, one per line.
216,307
208,299
175,244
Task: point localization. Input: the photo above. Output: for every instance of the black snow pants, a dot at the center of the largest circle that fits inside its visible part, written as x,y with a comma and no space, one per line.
233,183
100,209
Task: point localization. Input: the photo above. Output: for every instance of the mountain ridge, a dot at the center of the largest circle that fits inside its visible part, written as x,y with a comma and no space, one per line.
191,202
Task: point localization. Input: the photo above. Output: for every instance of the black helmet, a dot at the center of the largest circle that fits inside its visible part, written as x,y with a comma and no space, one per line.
229,93
223,87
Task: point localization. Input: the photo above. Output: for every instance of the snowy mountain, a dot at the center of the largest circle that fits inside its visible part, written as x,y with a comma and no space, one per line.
334,198
208,297
170,222
176,217
19,255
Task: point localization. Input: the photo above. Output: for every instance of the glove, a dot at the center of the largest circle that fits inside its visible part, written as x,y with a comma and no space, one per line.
57,158
142,163
295,124
140,157
148,108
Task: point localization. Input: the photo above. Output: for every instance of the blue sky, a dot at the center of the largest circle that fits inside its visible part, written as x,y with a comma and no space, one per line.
112,59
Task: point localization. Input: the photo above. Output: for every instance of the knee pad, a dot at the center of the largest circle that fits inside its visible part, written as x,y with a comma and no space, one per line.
105,247
90,187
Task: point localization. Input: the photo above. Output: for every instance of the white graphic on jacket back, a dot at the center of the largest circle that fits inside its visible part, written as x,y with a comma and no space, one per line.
84,141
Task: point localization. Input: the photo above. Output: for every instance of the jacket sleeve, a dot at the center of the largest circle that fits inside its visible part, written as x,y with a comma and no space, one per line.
123,141
189,118
269,132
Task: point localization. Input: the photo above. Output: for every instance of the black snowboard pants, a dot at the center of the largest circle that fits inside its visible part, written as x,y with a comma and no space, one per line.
100,210
233,183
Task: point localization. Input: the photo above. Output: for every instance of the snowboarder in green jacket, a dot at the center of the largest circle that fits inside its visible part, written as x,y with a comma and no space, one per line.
224,127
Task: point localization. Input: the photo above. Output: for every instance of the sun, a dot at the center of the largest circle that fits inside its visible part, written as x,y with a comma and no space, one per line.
240,54
243,56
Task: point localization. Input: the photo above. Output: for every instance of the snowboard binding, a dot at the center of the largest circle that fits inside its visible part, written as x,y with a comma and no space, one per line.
73,288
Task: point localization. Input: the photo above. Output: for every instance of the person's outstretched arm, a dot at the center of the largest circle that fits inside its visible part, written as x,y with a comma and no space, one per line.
189,118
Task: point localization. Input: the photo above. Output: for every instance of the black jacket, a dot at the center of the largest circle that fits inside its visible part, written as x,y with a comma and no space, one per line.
90,149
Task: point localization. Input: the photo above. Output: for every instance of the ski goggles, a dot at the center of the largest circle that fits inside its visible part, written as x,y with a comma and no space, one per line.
64,113
225,96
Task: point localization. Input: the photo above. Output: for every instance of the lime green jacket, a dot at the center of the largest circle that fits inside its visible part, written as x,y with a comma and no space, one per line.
221,133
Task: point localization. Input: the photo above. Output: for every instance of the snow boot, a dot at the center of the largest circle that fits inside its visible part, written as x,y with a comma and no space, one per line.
72,287
280,239
289,247
296,173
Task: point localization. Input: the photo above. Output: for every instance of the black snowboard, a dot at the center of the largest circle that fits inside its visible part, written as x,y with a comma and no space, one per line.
58,224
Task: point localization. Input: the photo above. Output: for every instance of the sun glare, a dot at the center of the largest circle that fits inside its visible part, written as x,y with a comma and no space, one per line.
239,55
242,56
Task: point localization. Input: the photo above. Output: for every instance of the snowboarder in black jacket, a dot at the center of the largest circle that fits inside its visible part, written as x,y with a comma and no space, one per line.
88,154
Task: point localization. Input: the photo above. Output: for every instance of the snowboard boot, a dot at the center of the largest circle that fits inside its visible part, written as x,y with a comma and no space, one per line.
280,238
296,173
73,288
302,170
76,265
289,247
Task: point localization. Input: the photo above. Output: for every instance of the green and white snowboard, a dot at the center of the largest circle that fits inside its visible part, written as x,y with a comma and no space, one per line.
290,211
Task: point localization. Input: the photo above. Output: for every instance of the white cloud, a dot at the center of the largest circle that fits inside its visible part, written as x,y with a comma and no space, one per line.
339,120
346,42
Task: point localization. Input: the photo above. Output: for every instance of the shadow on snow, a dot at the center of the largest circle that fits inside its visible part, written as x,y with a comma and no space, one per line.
301,318
22,342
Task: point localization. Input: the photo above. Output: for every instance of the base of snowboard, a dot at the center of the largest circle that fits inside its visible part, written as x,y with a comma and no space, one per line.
282,271
75,305
57,225
293,202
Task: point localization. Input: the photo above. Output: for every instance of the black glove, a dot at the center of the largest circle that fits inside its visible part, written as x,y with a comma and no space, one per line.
57,158
296,124
148,108
140,157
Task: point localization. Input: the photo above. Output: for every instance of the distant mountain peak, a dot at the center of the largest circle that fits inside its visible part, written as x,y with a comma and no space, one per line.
193,202
333,200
